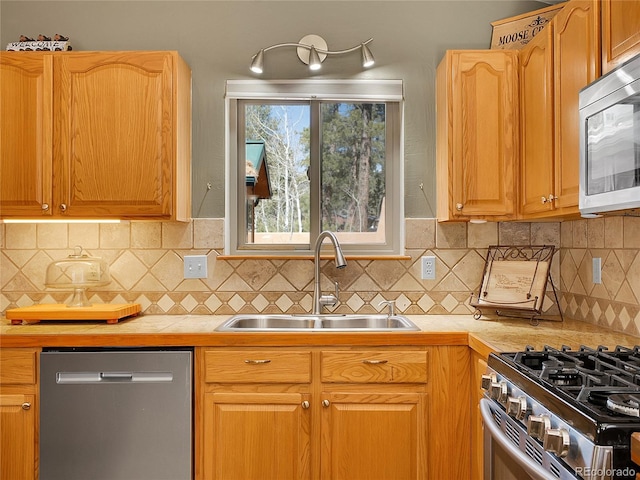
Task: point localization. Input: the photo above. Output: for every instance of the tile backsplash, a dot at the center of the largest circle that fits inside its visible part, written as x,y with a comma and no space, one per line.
146,266
615,302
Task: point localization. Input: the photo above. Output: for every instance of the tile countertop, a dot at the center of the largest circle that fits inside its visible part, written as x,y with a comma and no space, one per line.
483,335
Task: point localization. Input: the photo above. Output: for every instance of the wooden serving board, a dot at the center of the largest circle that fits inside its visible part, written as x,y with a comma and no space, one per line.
111,313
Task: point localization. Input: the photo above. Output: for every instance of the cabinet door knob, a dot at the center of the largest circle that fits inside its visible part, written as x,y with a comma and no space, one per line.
459,206
326,403
45,207
26,406
63,207
305,404
544,199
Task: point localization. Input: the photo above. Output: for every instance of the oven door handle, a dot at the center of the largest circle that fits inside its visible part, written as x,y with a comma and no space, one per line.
533,469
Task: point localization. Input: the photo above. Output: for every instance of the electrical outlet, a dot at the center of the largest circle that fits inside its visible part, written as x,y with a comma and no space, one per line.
597,270
195,266
93,273
429,268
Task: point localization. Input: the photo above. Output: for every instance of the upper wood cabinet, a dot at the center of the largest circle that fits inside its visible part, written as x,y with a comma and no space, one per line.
477,134
536,186
620,32
95,135
554,66
576,53
26,97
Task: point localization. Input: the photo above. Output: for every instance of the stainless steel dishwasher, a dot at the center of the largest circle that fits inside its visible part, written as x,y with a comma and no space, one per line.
116,414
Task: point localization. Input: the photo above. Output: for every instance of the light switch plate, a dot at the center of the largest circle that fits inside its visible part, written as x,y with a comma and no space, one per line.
195,266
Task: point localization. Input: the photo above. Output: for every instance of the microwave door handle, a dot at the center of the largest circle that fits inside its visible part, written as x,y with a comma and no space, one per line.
533,469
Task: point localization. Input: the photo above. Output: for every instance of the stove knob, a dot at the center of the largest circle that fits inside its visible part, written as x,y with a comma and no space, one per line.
498,391
487,380
556,440
537,425
517,407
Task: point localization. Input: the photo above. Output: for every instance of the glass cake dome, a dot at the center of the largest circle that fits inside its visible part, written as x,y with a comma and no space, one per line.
77,272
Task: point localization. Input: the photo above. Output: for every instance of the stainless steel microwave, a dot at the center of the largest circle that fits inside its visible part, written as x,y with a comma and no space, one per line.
610,141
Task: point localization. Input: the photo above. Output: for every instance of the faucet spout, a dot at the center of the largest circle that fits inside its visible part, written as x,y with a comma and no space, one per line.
320,300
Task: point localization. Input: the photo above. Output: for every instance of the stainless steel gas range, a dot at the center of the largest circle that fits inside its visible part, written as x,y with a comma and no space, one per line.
566,414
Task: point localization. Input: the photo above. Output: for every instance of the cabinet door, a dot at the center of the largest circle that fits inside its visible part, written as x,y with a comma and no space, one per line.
620,32
26,133
17,436
114,132
536,125
373,436
478,368
256,436
483,104
576,64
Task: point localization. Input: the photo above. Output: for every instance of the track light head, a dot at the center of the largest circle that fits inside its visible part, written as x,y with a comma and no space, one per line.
367,56
257,63
314,60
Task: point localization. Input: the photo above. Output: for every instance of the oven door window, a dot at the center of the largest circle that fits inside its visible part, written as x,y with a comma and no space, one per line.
613,147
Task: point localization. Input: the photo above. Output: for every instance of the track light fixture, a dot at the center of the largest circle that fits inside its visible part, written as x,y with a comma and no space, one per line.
312,50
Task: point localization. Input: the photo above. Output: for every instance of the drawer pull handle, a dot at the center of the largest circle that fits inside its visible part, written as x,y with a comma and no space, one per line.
305,404
26,406
257,362
374,362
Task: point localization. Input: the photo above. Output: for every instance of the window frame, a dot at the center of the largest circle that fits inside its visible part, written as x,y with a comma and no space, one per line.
240,92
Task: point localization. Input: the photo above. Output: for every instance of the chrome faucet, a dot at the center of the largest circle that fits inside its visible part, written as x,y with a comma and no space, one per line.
320,300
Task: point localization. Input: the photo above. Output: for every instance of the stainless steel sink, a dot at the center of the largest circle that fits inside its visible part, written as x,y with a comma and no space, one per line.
324,322
369,322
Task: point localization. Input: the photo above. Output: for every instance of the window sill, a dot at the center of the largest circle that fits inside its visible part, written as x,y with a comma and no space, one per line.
311,257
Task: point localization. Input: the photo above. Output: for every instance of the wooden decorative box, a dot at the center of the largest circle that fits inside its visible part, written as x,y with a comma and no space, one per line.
516,32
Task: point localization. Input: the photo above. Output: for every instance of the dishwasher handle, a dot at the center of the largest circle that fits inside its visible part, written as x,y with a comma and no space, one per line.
72,378
121,376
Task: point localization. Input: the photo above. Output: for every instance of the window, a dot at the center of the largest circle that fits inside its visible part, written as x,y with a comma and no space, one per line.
308,156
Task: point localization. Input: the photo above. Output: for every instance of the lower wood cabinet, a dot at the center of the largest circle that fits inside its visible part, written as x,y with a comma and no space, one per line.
478,368
18,414
332,413
373,435
256,435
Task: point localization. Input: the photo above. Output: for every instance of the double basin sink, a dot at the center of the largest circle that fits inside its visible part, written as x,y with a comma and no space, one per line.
323,322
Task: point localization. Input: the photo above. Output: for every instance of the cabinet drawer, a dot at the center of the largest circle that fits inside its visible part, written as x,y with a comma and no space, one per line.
374,367
17,366
257,366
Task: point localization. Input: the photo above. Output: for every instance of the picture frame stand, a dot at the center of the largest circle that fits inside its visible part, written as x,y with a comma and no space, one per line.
514,282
